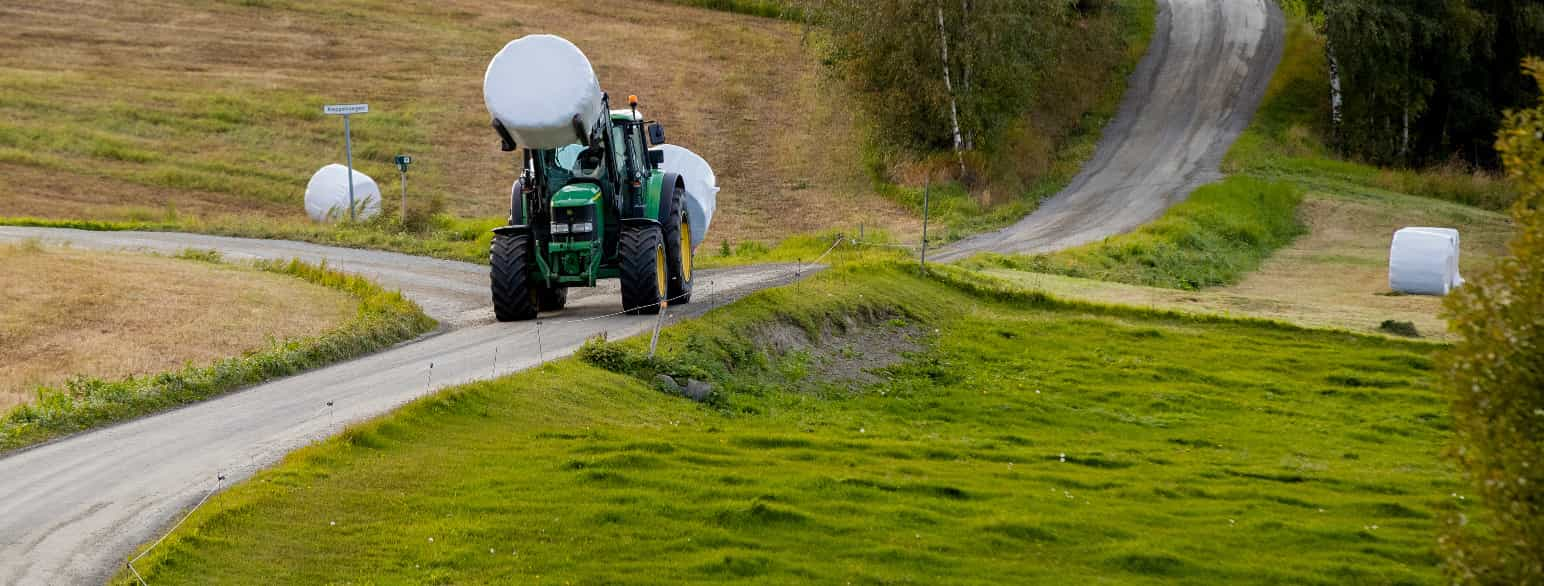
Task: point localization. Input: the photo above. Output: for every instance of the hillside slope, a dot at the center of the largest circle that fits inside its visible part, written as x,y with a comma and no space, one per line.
1191,96
144,110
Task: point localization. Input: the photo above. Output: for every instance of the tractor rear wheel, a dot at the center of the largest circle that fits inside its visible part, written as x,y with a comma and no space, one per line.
678,253
551,299
513,297
642,256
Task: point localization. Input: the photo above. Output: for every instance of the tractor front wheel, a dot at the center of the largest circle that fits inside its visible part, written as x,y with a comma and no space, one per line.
514,299
643,268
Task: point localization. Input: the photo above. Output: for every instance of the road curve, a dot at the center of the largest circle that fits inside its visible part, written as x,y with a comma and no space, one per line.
71,511
1191,96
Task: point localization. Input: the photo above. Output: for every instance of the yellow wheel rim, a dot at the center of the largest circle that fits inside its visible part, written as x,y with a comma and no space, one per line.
659,269
686,250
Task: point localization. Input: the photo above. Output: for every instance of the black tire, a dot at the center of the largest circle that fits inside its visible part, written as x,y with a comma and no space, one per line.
639,251
513,297
551,299
678,253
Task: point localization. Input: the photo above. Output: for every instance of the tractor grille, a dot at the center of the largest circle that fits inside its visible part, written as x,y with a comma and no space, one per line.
573,222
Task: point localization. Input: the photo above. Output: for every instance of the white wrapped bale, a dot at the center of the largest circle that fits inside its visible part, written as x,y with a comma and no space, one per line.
535,86
327,195
701,187
1424,261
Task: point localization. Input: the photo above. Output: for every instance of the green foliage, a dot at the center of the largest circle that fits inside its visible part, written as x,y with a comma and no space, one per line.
383,318
893,52
1043,141
1399,328
1003,55
1223,231
1027,443
1495,375
1419,77
1289,139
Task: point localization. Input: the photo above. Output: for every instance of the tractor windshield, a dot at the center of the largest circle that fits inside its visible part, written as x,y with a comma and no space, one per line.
567,156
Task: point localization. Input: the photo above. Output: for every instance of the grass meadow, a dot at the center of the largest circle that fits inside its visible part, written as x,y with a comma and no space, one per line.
1023,439
90,398
66,312
1222,232
182,114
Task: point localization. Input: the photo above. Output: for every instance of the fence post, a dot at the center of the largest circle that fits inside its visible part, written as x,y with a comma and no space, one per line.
926,189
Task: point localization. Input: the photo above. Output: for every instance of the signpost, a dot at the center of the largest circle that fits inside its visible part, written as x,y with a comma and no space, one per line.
346,110
402,162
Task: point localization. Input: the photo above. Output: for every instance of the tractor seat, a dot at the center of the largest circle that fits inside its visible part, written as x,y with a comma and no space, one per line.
588,163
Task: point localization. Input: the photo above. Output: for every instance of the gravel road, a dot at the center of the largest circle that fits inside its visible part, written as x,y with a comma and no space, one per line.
1189,99
73,510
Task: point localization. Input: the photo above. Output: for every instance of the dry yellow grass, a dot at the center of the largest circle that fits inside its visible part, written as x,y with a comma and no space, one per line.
115,109
67,312
1335,276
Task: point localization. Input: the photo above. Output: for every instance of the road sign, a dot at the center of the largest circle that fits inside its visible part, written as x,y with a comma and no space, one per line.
402,162
345,109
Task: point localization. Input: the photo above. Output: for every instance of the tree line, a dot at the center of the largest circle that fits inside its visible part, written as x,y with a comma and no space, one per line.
946,75
1419,82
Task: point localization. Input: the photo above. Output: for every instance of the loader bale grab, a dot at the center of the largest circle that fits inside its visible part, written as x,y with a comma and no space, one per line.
593,201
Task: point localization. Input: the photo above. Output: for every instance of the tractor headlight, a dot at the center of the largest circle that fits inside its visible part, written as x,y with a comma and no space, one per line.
559,228
583,227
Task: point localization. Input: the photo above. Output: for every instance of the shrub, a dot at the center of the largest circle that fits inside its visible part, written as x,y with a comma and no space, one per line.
1400,328
1496,376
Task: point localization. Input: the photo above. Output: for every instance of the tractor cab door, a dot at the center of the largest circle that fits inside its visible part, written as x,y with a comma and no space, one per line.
632,166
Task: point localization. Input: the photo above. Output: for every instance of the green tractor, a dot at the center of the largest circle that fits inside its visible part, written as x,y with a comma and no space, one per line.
597,209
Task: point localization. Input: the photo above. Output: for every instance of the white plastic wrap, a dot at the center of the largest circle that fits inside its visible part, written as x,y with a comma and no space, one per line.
535,86
701,187
327,195
1424,261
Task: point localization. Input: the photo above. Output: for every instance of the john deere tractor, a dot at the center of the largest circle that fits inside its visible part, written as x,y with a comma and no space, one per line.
597,209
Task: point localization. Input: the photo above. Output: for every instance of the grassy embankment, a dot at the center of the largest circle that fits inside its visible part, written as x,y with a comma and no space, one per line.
382,318
1019,439
1222,232
213,127
67,312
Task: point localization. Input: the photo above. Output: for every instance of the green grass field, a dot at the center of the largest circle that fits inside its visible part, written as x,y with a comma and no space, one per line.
1216,236
1021,440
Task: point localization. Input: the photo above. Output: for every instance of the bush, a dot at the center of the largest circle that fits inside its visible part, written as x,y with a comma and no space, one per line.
1400,328
1496,376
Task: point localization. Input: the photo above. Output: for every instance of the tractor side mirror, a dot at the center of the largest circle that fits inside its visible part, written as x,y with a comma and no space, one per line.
656,157
656,133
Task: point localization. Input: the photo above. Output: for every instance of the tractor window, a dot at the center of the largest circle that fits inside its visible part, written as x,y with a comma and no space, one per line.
569,155
620,148
640,146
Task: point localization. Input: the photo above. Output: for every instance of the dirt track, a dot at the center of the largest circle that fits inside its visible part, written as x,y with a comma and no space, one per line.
1190,98
73,510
